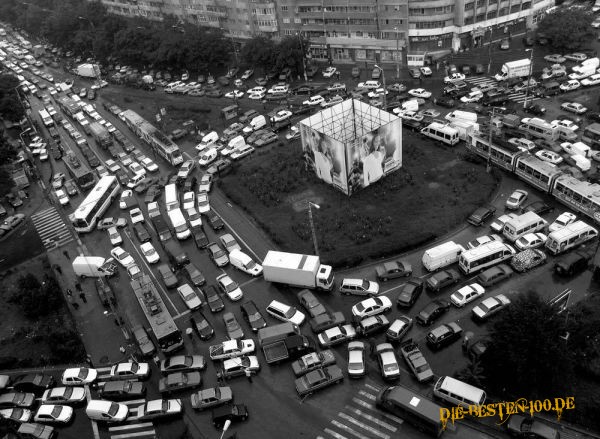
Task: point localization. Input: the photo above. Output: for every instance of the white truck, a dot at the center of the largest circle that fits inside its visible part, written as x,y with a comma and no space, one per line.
514,70
94,266
231,349
442,255
304,271
464,128
88,70
466,116
585,69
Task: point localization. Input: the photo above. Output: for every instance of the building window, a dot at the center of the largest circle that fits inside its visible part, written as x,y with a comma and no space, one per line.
503,11
288,32
297,20
515,8
526,5
286,20
284,8
469,6
480,17
480,3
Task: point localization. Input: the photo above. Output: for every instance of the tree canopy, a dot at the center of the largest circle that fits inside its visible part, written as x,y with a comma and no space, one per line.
262,51
568,29
10,106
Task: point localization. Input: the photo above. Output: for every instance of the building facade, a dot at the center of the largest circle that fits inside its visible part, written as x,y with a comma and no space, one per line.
386,31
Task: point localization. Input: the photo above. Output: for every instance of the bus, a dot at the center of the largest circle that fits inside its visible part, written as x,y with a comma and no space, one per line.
95,204
484,256
161,322
570,236
443,133
528,222
536,172
539,128
581,196
46,118
414,408
591,135
83,177
503,156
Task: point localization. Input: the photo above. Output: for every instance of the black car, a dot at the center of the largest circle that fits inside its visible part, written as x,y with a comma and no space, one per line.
202,327
370,326
56,151
200,238
215,303
432,312
233,413
153,193
128,146
122,177
410,292
326,321
304,90
35,383
122,390
189,185
538,207
481,215
534,109
443,335
141,233
413,125
442,279
593,116
253,316
214,220
444,101
497,100
194,274
113,151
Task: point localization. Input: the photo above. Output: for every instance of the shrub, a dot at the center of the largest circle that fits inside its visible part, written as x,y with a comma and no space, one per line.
34,298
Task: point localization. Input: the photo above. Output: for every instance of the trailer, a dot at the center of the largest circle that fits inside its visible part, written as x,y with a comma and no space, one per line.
304,271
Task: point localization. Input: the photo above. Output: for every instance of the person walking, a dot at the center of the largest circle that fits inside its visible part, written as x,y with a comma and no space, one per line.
82,297
66,253
58,269
78,286
371,348
248,375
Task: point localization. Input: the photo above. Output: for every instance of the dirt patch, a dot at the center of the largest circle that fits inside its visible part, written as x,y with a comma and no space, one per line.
433,185
447,165
299,202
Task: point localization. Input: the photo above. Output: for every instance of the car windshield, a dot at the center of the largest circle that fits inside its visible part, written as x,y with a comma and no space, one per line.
113,410
219,253
231,286
149,251
290,312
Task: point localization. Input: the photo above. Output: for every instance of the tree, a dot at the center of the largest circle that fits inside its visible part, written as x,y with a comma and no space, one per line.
259,51
290,55
568,29
7,152
527,356
10,106
34,298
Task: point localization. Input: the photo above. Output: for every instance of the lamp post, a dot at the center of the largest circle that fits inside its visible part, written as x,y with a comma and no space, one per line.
488,166
384,89
529,76
93,26
225,427
490,51
312,225
397,54
303,55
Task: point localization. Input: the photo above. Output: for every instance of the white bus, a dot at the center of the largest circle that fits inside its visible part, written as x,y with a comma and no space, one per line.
456,392
484,256
179,224
529,222
171,197
570,236
46,119
539,128
95,204
443,133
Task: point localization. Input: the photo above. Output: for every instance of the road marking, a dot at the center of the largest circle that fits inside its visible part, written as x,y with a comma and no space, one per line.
349,430
372,407
367,395
364,426
137,434
249,282
372,418
130,426
334,434
375,389
182,314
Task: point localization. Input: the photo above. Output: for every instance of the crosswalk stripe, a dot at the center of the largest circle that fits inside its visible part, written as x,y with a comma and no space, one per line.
130,426
349,430
136,434
363,426
51,228
335,434
372,407
371,418
373,388
367,395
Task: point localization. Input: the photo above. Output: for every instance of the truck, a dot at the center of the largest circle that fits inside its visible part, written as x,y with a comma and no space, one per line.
101,135
511,120
88,70
585,69
304,271
514,70
289,348
231,349
94,266
177,255
464,128
38,50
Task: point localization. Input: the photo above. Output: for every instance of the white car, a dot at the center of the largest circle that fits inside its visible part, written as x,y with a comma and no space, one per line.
281,115
247,74
454,77
64,395
531,240
229,287
314,100
130,370
336,86
189,296
149,165
329,72
372,306
408,114
203,203
577,56
420,93
54,414
77,376
149,253
208,156
257,90
336,335
127,193
570,85
483,240
189,200
467,294
369,85
565,124
474,96
564,219
112,165
425,71
378,92
516,199
430,112
555,58
256,96
591,80
122,257
357,363
57,180
549,156
114,236
234,94
62,196
522,144
194,218
574,107
136,168
136,215
205,184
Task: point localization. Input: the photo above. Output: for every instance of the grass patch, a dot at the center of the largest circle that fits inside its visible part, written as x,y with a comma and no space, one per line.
430,195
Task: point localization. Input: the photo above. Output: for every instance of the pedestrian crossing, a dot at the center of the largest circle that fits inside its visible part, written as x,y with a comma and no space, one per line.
132,428
51,228
518,97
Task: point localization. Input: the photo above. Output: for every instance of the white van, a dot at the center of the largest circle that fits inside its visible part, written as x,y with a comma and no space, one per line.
582,163
570,236
442,133
579,148
245,263
171,197
136,180
179,224
461,115
207,141
255,124
234,144
529,222
442,255
93,266
456,392
107,411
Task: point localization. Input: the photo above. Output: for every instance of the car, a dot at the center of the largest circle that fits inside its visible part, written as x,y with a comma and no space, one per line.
229,287
467,294
143,341
420,93
71,188
444,101
529,427
310,303
127,200
483,240
122,257
370,326
234,94
229,242
231,413
205,183
13,221
493,275
322,322
233,327
505,44
490,306
516,199
531,240
194,218
141,233
555,58
329,72
203,202
77,376
574,107
239,366
388,362
213,298
416,361
336,335
178,381
151,255
454,77
522,144
189,297
189,200
182,363
130,370
66,395
442,279
429,113
359,287
337,86
252,315
17,399
318,379
158,409
481,215
314,100
443,335
534,109
410,292
106,223
16,415
124,159
432,311
281,115
527,84
549,156
54,414
357,365
414,73
372,306
564,219
577,57
149,165
136,215
570,85
122,390
200,238
538,207
211,397
185,169
217,254
425,71
528,259
591,80
58,180
247,74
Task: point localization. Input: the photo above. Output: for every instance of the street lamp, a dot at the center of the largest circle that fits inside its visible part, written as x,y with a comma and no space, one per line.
303,55
225,427
490,51
488,166
529,76
312,225
397,54
384,89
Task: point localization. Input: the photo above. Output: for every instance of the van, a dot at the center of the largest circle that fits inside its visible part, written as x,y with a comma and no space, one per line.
442,255
511,120
30,430
255,124
93,266
136,180
572,264
371,84
207,141
456,392
582,163
580,148
171,197
272,334
107,411
442,133
529,222
570,236
245,263
279,89
550,88
286,313
179,224
462,115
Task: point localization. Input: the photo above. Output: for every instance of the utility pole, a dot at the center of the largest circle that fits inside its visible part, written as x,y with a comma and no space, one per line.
397,54
312,226
384,89
529,76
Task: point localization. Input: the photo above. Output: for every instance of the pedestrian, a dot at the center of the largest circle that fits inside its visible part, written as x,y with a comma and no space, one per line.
88,359
121,349
78,286
82,297
371,348
69,293
66,253
75,305
248,375
58,269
